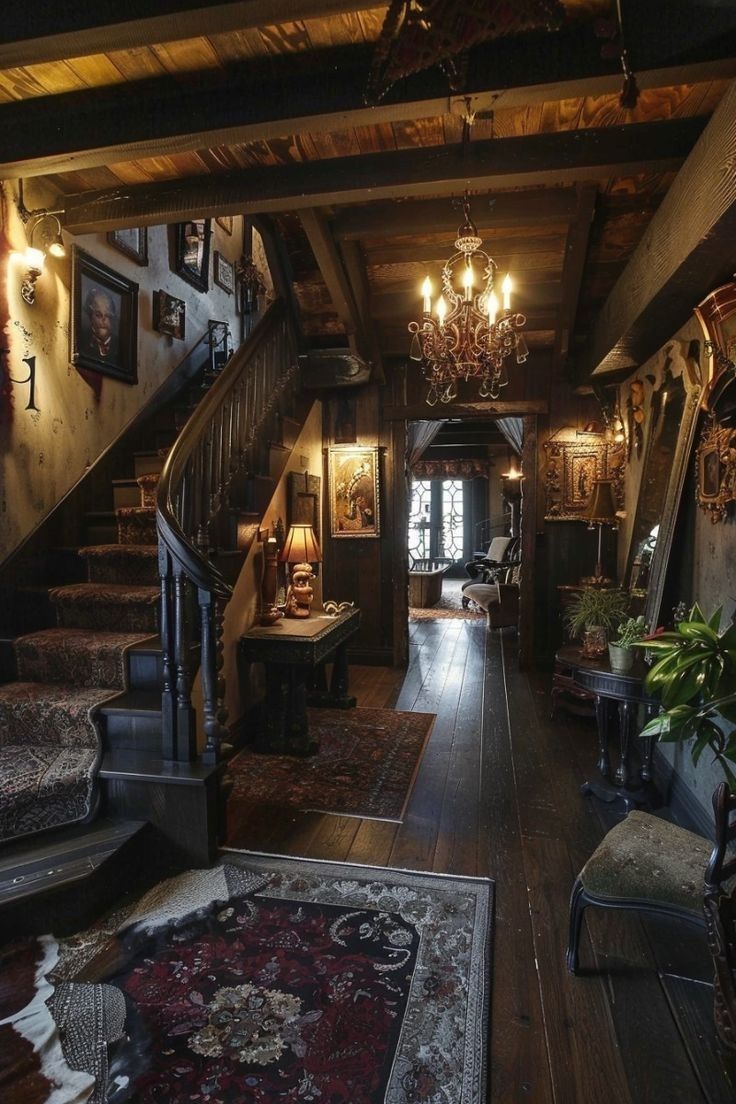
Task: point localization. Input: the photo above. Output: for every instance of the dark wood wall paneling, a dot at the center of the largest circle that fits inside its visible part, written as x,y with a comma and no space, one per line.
361,569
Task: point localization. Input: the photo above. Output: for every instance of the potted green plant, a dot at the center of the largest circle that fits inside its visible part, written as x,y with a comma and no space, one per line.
596,612
695,676
621,650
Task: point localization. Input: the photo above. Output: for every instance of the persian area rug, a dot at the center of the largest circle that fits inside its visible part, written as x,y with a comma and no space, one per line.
365,767
274,979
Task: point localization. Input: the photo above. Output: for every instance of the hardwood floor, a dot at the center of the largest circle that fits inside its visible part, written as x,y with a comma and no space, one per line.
497,795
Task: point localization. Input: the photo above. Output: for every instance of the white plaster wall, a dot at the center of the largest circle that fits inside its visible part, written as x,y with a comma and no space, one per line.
44,453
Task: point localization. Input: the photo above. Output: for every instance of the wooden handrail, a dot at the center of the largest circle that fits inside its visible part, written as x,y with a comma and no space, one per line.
219,442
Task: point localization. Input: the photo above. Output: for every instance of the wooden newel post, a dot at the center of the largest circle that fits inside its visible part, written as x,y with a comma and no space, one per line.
168,711
186,735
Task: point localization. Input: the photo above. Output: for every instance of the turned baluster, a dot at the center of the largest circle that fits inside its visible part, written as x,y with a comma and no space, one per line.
186,740
168,712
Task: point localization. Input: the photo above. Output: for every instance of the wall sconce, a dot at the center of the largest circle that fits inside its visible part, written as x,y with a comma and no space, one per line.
44,236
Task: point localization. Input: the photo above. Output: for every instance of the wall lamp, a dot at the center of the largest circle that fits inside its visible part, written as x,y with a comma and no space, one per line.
43,233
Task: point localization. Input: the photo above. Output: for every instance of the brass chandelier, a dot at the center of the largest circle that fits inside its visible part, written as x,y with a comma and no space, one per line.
472,334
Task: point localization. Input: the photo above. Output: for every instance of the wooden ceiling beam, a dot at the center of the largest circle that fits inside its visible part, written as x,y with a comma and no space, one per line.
481,409
576,250
686,250
440,251
549,159
355,269
75,28
534,207
312,92
330,265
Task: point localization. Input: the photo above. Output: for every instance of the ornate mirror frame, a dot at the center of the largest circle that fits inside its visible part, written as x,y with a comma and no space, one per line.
677,466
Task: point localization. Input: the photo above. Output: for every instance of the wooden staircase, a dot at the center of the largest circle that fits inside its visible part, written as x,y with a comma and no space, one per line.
144,779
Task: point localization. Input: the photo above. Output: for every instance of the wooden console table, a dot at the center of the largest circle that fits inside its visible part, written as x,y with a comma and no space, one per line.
626,691
294,651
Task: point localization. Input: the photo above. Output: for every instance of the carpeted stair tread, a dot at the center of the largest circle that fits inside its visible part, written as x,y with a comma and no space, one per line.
49,755
49,712
119,551
133,564
44,787
148,484
78,657
97,606
136,524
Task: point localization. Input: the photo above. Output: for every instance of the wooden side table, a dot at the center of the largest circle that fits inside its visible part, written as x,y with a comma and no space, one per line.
294,651
626,692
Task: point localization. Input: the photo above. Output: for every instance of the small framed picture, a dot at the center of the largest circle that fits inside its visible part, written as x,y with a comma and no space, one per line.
192,256
169,314
133,242
104,319
224,273
354,491
225,222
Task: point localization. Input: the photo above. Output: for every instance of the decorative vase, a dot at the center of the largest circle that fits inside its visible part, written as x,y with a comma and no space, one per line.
621,659
594,641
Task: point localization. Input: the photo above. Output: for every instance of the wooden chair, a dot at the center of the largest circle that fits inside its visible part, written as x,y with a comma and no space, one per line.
648,864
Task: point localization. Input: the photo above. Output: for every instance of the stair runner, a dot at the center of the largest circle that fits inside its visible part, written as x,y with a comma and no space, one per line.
50,744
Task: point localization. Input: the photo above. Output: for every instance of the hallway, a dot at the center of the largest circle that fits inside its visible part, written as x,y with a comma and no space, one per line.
497,794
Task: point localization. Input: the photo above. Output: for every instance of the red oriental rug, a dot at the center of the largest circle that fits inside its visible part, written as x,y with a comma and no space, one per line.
264,979
365,767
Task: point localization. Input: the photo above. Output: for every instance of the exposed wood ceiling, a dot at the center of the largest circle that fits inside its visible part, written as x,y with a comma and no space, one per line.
257,108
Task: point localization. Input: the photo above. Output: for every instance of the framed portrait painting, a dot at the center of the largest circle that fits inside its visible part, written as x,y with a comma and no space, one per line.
224,273
104,319
133,242
169,314
354,491
193,252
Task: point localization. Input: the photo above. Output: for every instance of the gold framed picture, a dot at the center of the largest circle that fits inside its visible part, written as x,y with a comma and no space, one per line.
354,491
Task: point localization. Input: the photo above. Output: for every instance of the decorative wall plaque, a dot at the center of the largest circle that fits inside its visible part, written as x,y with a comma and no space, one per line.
572,466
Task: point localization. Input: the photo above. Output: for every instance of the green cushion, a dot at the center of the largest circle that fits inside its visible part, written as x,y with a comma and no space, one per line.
645,858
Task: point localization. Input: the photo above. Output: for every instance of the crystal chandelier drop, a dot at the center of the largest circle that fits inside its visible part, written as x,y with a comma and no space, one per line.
472,334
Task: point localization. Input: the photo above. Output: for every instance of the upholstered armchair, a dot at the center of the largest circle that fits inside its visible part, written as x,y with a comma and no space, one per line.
500,600
646,863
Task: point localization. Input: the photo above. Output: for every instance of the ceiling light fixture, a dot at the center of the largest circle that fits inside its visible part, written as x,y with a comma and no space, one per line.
473,333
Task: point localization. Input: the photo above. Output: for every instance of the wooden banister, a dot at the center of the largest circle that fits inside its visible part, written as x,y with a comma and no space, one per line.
220,441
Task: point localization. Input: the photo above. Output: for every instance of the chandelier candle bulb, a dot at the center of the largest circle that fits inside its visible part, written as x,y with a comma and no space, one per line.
492,308
441,310
427,294
506,289
468,283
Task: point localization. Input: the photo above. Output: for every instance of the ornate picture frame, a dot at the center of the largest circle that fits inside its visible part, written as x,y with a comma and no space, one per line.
223,272
132,241
354,491
169,314
103,331
572,466
192,252
716,470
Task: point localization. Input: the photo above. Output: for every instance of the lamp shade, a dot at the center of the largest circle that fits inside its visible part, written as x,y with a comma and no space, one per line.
601,506
301,546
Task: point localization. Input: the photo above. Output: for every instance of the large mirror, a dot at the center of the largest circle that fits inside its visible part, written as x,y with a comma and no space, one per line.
672,417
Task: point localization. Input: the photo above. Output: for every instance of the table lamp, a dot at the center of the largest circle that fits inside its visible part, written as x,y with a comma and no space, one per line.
600,510
301,550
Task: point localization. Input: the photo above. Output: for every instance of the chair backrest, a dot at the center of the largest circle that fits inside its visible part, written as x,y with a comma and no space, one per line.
720,916
497,548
